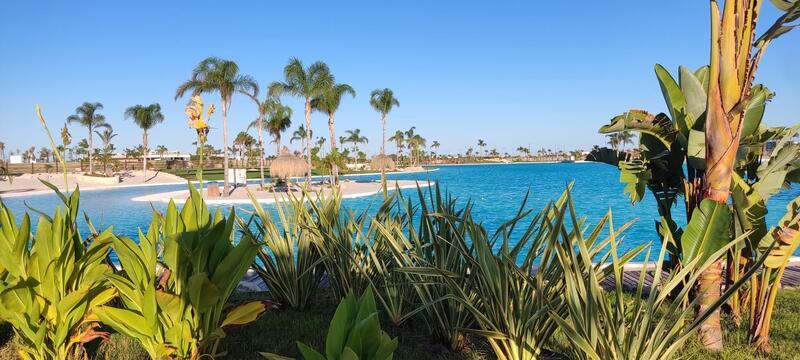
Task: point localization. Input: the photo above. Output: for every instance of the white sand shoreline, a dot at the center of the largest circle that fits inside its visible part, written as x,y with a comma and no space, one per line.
239,195
12,190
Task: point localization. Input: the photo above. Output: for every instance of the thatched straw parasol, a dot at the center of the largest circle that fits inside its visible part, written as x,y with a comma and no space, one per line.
382,162
287,165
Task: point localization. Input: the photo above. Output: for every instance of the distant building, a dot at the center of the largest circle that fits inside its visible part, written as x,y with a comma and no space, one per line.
168,156
15,159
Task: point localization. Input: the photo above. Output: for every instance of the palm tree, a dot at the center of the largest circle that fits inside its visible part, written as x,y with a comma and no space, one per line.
106,137
354,137
87,115
481,143
434,146
614,140
383,101
414,141
301,134
218,75
266,109
626,138
279,120
399,138
305,83
145,117
2,150
161,150
321,144
328,102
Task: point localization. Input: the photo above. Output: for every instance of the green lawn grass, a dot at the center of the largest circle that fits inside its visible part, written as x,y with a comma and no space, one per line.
279,330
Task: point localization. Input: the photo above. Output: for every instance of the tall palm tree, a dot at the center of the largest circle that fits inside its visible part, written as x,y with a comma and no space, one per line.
307,84
106,137
614,140
301,134
328,102
414,141
399,139
218,75
278,122
481,144
265,109
625,138
87,115
145,117
383,100
354,137
435,146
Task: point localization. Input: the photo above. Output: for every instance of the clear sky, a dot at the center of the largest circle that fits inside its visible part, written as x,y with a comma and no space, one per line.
531,73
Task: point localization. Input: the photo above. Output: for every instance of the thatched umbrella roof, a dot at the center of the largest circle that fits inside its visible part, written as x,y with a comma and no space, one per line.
287,165
382,162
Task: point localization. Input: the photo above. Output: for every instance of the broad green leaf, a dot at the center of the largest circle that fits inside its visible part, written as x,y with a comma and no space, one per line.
676,103
635,175
785,236
707,231
694,94
244,314
660,126
755,110
696,149
202,292
309,353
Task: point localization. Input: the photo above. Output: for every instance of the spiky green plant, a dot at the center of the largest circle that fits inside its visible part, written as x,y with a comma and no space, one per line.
290,263
52,280
173,304
606,323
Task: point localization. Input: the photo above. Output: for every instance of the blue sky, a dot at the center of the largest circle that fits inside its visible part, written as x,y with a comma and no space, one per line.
539,74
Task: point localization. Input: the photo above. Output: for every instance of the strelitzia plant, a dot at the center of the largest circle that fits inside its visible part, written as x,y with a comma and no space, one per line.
51,282
355,333
173,303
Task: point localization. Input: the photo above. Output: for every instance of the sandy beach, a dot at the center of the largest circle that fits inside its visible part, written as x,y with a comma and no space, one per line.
30,184
349,189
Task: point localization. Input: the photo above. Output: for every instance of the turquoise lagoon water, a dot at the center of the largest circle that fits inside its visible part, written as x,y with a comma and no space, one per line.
496,190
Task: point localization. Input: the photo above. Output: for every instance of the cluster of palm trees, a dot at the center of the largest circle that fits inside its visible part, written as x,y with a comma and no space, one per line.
314,84
412,141
618,140
88,115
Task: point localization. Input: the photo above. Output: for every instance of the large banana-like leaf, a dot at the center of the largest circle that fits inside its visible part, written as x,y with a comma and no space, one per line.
750,208
782,24
785,236
245,313
660,126
635,175
760,95
695,94
673,96
707,231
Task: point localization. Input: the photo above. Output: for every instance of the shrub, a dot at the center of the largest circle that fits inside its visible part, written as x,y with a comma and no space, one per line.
52,281
173,304
355,333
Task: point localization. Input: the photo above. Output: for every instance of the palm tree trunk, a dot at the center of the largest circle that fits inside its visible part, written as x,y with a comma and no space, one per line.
225,186
91,150
308,139
277,146
144,161
332,135
261,150
383,152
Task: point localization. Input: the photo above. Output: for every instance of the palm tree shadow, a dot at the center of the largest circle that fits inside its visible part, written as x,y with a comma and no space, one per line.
155,175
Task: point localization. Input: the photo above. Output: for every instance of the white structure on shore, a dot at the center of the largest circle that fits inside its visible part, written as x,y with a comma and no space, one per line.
168,155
